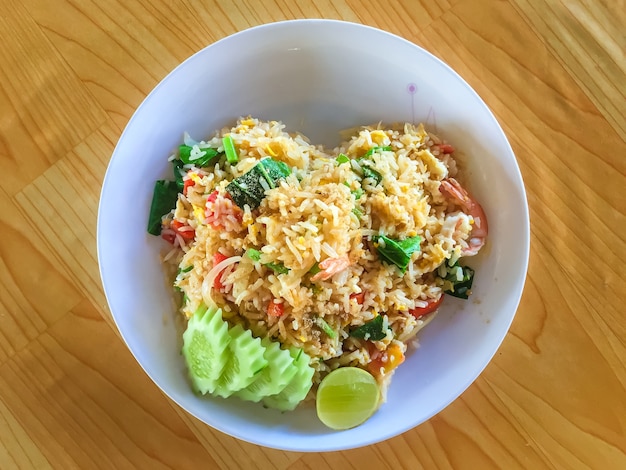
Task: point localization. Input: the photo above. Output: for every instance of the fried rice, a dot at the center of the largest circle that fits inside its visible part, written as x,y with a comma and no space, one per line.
318,275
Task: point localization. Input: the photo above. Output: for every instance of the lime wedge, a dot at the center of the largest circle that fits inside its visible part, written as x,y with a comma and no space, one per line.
347,397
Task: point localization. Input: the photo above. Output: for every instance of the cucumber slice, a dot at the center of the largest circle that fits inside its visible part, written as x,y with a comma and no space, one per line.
275,377
245,362
290,396
205,348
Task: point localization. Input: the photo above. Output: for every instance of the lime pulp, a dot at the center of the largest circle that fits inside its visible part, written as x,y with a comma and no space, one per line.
347,397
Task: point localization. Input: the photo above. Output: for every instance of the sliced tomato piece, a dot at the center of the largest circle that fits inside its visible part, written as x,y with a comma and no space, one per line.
446,148
212,197
188,183
275,309
169,237
360,297
433,305
218,258
187,235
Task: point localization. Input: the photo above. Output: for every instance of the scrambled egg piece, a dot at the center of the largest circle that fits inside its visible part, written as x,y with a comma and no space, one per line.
198,213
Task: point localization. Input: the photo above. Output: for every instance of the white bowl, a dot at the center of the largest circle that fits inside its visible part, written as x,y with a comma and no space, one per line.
318,77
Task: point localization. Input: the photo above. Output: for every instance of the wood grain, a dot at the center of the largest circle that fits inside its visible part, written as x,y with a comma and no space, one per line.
26,264
63,205
71,74
37,125
588,40
71,389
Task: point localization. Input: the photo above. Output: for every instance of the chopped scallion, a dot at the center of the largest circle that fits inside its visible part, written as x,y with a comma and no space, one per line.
342,158
325,327
278,268
371,173
386,148
229,149
254,255
315,269
358,193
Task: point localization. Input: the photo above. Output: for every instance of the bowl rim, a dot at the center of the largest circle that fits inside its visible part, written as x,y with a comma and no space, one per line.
523,272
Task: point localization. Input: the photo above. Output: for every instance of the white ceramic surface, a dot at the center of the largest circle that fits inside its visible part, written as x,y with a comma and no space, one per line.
318,77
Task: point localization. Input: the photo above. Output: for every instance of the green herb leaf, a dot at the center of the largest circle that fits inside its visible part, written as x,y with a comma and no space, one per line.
366,165
249,188
184,152
373,330
278,268
179,172
229,148
397,252
207,154
164,200
185,270
356,211
244,193
276,170
458,288
410,245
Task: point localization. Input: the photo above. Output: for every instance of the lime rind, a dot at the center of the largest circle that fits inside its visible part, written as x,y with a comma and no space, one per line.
275,377
246,360
205,348
347,397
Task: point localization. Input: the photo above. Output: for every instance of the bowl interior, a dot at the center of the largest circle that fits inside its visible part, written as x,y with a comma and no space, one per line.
318,77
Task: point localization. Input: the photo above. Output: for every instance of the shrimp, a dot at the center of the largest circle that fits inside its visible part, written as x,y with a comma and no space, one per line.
452,190
331,266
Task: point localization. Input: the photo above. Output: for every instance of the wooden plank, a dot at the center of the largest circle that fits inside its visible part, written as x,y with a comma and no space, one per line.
86,403
73,71
234,454
586,201
62,205
120,50
30,282
574,210
231,17
17,450
587,37
400,17
37,125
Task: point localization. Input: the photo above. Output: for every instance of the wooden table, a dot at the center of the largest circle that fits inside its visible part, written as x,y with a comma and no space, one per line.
71,74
